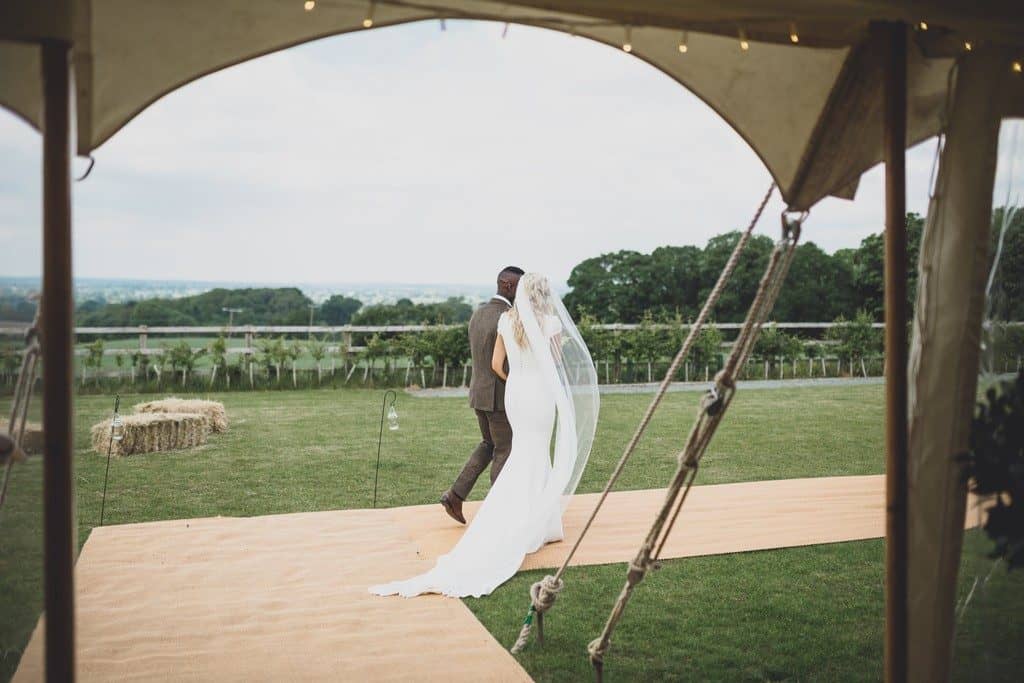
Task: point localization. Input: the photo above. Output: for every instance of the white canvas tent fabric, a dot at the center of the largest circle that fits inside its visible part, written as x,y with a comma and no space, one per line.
810,110
944,355
807,109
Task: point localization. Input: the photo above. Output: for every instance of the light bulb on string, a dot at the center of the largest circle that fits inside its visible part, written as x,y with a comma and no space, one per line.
628,45
968,45
794,37
1017,67
683,37
309,5
923,25
368,21
744,43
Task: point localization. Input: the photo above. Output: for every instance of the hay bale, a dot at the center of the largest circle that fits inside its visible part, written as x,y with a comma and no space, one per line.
214,410
153,432
32,442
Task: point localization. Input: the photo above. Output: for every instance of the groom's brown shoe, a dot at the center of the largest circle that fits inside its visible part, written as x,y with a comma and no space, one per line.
453,506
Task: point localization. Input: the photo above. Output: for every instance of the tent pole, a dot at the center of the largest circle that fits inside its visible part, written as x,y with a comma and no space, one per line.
894,38
58,474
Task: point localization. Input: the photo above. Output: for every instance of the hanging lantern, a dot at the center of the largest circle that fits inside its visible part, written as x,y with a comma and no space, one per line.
116,428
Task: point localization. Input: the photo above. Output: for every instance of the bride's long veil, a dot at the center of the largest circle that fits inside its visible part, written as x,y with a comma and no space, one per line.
570,374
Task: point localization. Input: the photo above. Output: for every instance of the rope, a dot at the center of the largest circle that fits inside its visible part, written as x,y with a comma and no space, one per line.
542,597
19,405
712,409
547,597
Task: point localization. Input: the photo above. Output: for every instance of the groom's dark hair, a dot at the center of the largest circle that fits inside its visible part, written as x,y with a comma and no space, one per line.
515,270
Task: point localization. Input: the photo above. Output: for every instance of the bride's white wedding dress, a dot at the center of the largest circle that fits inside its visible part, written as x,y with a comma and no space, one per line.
523,509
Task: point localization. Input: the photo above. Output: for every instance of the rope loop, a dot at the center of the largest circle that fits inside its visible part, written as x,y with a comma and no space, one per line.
544,593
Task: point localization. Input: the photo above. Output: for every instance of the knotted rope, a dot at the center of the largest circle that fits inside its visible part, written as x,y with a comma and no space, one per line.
546,597
542,597
712,409
19,405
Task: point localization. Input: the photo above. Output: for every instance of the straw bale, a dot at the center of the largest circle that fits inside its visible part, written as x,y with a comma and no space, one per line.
214,410
33,439
152,432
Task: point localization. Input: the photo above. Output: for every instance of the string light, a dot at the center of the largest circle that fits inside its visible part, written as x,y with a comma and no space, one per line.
368,21
683,47
923,25
794,37
744,43
968,45
309,5
628,45
1018,67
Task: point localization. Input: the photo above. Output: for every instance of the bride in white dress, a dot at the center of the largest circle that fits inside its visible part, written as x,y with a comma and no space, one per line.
551,385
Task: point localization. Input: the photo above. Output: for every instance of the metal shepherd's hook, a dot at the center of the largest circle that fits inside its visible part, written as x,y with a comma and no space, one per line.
116,434
392,415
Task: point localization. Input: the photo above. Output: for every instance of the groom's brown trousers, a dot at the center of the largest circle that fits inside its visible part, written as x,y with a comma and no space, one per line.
487,398
493,450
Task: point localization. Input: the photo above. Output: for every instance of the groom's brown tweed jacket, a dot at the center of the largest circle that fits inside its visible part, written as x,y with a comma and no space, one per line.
486,390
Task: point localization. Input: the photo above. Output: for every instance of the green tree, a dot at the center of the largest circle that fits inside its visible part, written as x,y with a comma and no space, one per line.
855,340
218,354
317,350
339,309
180,356
94,359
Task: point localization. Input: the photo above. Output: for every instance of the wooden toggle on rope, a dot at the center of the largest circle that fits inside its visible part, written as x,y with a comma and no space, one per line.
544,592
10,443
712,410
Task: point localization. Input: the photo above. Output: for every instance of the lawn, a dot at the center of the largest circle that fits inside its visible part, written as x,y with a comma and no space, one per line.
804,614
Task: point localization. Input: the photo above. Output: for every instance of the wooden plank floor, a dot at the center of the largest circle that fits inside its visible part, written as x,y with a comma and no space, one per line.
283,597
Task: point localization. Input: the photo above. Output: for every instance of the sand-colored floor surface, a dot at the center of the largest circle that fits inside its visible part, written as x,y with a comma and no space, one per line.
283,597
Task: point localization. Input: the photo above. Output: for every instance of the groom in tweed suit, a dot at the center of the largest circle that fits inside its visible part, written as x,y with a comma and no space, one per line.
486,396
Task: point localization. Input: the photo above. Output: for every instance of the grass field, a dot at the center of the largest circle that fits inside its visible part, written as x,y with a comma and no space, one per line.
799,614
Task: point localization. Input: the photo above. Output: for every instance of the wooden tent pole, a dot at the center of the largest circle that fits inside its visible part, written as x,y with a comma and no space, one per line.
894,38
56,333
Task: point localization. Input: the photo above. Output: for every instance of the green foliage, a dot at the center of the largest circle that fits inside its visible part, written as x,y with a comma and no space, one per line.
405,312
10,358
218,352
995,467
1006,298
647,343
855,339
625,285
180,356
776,343
338,309
260,306
317,349
707,348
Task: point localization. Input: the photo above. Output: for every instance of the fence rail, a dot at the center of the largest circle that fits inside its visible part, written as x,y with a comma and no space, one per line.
17,329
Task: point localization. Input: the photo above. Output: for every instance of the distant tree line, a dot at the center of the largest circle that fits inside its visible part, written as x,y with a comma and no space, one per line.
670,283
258,306
673,282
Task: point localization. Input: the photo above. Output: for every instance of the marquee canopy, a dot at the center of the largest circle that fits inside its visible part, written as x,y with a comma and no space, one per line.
805,94
816,88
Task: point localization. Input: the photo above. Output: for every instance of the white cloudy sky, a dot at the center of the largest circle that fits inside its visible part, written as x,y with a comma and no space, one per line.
411,155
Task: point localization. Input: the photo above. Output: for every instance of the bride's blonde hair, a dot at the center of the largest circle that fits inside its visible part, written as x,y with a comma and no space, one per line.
536,288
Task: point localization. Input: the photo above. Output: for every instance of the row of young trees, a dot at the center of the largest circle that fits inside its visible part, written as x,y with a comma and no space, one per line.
439,355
